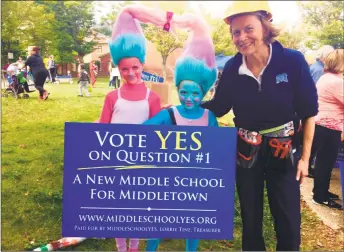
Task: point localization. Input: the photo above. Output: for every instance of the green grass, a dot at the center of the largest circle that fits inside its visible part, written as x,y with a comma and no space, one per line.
32,171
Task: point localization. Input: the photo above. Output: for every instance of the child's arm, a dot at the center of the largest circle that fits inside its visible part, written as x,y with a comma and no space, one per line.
212,119
154,104
162,118
106,114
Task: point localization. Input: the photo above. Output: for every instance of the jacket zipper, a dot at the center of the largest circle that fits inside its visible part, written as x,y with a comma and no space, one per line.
259,87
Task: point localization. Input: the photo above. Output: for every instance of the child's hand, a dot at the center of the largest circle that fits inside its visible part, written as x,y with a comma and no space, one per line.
166,106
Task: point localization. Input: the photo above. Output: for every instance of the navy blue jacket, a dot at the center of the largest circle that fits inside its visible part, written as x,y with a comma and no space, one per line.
287,92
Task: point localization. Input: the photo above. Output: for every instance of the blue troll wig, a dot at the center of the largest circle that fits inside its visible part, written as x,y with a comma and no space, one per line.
197,62
189,68
127,46
127,38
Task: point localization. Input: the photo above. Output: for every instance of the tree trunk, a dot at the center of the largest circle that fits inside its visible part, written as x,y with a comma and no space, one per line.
81,58
164,59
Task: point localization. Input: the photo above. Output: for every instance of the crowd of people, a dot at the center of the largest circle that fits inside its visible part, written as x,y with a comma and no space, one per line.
45,71
277,99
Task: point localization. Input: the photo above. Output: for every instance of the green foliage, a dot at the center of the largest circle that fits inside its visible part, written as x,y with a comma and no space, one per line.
164,42
220,33
74,20
105,29
291,40
29,24
222,39
58,27
87,67
326,22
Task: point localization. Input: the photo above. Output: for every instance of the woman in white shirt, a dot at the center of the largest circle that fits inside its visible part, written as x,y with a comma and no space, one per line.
115,76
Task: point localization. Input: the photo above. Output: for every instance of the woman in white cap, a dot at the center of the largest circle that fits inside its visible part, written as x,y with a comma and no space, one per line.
317,69
270,89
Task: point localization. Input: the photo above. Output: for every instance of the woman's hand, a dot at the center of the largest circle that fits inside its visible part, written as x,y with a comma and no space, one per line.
302,170
166,106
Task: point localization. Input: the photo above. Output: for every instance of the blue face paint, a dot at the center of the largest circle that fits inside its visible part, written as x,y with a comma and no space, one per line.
190,95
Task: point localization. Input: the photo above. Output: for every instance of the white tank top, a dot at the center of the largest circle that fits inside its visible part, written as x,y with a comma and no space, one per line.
130,112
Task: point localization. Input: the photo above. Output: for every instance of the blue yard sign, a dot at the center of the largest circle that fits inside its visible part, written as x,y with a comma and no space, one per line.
151,77
148,181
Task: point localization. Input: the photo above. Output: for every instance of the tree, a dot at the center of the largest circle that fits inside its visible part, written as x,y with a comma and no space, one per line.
164,42
81,22
291,39
74,20
35,29
220,33
222,40
326,22
103,29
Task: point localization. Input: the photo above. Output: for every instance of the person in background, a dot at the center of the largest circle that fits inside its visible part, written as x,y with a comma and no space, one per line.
70,77
20,61
329,127
45,61
52,68
5,77
270,88
6,65
37,68
110,75
114,76
317,69
93,73
84,81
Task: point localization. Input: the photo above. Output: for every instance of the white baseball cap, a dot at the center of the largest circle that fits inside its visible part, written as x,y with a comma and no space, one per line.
324,51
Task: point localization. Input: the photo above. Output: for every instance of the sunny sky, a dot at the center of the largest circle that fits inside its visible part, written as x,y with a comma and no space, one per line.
282,10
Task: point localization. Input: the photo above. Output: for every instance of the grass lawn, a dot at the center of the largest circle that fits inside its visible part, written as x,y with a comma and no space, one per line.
32,176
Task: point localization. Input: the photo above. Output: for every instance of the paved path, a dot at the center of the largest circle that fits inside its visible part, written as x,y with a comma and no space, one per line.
331,217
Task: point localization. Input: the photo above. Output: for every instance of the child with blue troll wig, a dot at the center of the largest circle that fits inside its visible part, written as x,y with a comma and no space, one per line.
133,102
195,73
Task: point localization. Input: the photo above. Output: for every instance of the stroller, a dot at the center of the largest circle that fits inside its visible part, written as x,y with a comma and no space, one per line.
20,82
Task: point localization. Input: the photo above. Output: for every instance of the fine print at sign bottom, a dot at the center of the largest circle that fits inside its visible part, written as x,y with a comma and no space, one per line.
147,229
148,197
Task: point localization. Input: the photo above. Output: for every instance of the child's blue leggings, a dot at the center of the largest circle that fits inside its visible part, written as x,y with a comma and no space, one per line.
191,244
